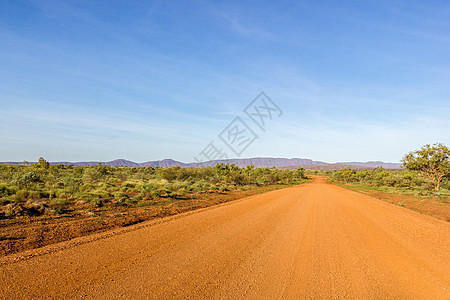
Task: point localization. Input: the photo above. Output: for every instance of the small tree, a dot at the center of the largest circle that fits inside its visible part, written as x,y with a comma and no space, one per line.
29,178
432,161
299,173
43,164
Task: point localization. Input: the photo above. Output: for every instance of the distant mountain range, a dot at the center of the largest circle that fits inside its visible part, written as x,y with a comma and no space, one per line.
258,162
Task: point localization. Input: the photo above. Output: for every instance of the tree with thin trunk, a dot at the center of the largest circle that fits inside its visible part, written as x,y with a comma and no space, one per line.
432,161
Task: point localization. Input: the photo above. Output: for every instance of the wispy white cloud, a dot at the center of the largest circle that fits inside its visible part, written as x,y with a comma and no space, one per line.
247,30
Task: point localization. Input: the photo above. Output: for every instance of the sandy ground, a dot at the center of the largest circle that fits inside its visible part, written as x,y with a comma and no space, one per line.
313,241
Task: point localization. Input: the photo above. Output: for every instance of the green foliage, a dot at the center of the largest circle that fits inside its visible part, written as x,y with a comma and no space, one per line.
95,186
92,175
6,191
169,173
402,179
347,175
300,173
29,178
432,161
42,164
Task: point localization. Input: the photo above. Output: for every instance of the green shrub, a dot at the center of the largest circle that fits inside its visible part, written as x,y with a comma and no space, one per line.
184,174
118,195
101,193
34,194
169,173
6,191
137,198
59,185
28,179
92,175
156,194
21,195
386,179
86,187
128,184
100,183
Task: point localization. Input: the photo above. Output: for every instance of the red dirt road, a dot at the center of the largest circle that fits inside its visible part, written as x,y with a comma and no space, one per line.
313,241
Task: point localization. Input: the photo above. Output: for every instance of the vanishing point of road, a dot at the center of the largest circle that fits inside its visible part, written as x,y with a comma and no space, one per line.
312,241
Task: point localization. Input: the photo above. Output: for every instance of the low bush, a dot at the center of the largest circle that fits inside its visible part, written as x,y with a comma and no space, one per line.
101,184
379,177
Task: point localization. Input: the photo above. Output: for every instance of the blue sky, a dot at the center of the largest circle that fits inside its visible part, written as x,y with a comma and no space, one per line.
98,80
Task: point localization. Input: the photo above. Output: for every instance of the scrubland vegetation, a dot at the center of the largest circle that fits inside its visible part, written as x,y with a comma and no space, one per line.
42,188
410,182
426,169
406,188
